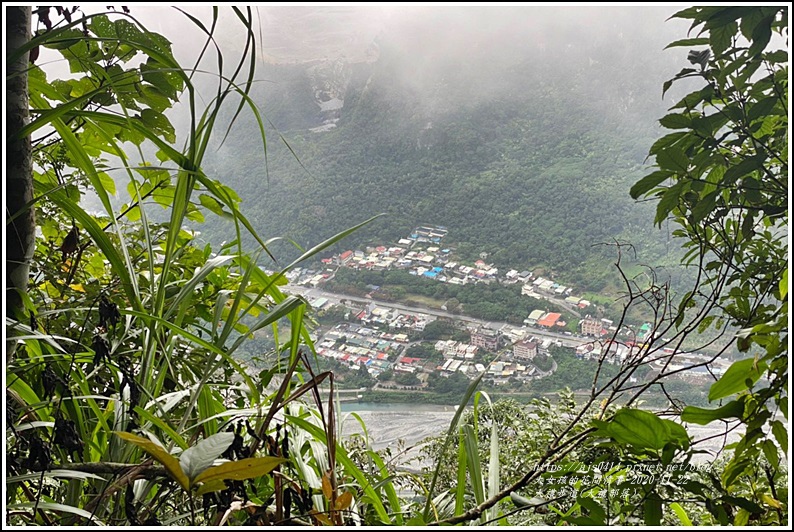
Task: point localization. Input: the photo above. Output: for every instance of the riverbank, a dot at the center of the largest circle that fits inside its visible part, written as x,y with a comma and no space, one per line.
428,397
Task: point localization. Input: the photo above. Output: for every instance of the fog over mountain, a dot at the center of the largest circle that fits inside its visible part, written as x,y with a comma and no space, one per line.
520,129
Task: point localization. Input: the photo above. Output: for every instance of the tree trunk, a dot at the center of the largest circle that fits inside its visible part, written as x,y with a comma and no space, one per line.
21,231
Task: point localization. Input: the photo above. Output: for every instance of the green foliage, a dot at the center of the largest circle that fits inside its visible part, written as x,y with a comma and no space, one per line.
134,325
571,372
723,179
425,350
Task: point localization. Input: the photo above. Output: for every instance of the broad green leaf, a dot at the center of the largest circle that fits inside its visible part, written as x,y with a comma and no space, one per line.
783,286
762,33
675,121
241,469
668,202
639,429
595,511
704,416
165,80
213,205
781,435
653,510
742,517
770,453
102,27
698,41
774,503
720,38
198,458
745,167
704,206
107,183
736,378
649,182
668,140
762,108
673,158
679,437
157,122
158,453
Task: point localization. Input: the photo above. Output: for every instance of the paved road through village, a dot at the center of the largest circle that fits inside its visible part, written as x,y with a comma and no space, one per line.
312,293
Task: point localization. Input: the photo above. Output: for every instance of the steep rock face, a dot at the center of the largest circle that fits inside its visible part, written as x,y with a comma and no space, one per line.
329,81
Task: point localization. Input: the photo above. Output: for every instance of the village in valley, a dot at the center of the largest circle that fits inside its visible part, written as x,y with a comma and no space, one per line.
388,340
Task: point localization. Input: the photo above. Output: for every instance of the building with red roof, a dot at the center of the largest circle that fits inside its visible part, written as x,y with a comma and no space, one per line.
345,257
550,319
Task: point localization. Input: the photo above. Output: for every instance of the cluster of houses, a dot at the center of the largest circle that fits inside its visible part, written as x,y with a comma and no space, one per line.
363,347
695,368
540,287
422,253
430,261
373,315
459,356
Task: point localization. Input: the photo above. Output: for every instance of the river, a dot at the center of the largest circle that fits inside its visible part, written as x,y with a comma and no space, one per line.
389,423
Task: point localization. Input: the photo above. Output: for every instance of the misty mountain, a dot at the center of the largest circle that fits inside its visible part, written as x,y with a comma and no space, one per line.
519,129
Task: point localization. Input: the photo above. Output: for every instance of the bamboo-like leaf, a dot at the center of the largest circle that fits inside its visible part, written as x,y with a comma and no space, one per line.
197,340
170,463
162,425
460,488
199,276
56,507
473,463
453,429
292,304
493,470
388,486
329,242
198,458
349,467
55,473
681,514
241,469
117,263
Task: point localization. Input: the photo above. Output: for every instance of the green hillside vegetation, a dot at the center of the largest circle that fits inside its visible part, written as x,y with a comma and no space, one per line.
520,159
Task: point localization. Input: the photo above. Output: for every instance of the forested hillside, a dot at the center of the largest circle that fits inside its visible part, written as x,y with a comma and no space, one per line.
522,144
